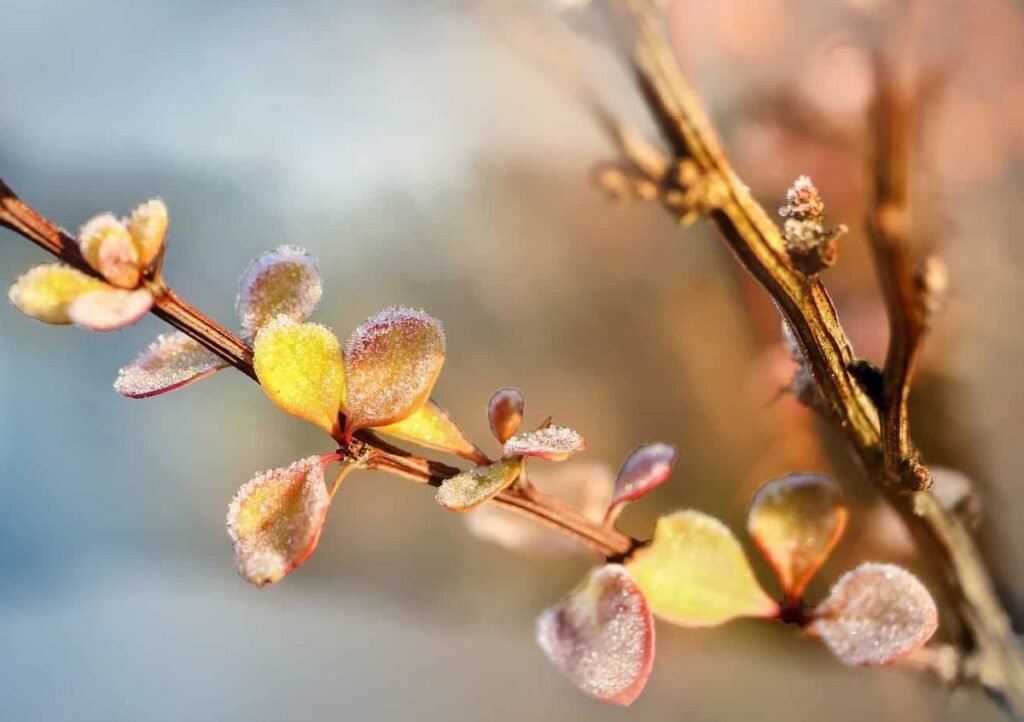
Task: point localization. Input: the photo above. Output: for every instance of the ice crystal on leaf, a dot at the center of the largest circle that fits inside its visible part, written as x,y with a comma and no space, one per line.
876,614
148,226
601,636
46,292
695,573
284,281
472,488
109,309
554,443
170,362
108,247
391,362
505,413
275,520
431,426
644,469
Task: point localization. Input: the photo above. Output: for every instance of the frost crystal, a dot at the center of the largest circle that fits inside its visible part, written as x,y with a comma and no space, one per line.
505,413
275,520
170,362
646,468
803,202
876,614
283,281
391,363
601,636
469,489
554,443
110,309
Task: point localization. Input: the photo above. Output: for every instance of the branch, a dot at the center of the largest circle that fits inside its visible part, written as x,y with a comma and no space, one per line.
176,311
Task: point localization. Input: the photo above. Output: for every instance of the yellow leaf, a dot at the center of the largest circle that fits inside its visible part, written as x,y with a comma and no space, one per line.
148,226
45,292
796,521
108,247
432,427
391,362
695,573
470,489
301,369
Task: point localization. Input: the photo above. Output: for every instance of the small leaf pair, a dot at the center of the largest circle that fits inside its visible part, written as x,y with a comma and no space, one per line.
120,252
470,489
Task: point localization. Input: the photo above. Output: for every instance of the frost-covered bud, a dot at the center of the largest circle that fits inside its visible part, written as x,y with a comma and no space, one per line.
811,246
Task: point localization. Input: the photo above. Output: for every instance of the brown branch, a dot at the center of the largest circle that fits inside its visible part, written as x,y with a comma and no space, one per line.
805,305
168,306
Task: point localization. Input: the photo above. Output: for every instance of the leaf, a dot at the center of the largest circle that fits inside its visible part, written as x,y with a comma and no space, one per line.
110,309
505,413
601,636
584,485
432,427
108,247
283,281
276,518
645,469
301,369
391,361
147,225
796,521
876,614
45,291
695,573
470,489
554,443
172,361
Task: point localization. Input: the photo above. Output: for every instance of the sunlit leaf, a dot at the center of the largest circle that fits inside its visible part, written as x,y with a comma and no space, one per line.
46,291
796,521
148,226
432,427
283,281
876,614
471,488
170,362
601,636
301,369
108,247
275,520
391,362
554,443
646,468
505,413
110,309
695,573
584,485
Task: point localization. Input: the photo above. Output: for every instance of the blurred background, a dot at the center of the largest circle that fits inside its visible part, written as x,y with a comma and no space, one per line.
427,155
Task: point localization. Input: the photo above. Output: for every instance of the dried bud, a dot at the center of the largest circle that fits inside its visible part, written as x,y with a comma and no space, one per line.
811,246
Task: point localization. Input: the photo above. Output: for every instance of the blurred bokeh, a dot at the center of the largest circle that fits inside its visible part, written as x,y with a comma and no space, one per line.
428,155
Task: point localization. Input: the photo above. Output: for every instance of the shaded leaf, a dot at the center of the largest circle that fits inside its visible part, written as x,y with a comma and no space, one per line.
796,521
432,427
644,469
110,309
107,246
283,281
505,413
147,225
391,361
301,370
275,520
695,573
554,443
601,636
471,488
170,362
876,614
46,291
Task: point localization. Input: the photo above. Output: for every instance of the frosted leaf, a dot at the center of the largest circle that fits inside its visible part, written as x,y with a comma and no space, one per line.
283,281
554,443
601,636
505,413
170,362
300,368
108,247
110,309
803,202
148,226
431,426
695,574
275,520
46,291
796,521
584,485
391,363
646,468
472,488
876,614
